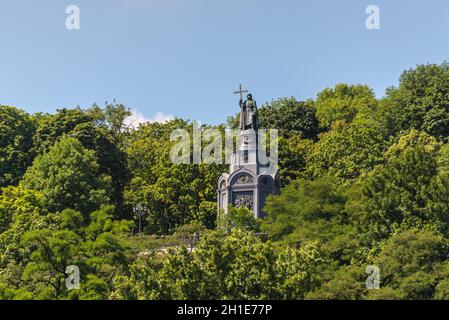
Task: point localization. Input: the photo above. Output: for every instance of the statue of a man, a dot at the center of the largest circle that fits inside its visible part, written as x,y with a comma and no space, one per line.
248,114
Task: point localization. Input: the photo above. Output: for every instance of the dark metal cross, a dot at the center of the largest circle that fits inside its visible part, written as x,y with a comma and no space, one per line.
241,91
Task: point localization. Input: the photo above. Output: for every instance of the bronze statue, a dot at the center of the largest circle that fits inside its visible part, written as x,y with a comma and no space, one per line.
248,114
248,111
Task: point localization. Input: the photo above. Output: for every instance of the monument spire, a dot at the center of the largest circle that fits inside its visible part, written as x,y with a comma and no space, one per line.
248,182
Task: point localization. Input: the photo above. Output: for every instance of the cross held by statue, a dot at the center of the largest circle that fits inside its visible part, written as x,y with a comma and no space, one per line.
241,91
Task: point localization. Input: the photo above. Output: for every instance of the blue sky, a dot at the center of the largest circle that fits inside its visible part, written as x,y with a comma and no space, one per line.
186,57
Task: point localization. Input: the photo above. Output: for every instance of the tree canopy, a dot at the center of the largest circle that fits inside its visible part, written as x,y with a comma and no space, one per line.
365,192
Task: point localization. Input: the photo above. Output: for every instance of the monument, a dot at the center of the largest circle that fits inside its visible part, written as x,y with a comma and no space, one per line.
249,181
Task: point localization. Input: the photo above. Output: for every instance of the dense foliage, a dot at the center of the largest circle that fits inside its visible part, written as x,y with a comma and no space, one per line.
365,183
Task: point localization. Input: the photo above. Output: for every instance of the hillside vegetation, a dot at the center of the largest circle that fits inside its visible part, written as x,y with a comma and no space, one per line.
365,182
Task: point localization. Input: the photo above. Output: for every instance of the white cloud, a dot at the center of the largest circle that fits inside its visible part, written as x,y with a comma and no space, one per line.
162,118
138,118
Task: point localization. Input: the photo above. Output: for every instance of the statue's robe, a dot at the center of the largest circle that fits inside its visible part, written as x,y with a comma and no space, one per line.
251,111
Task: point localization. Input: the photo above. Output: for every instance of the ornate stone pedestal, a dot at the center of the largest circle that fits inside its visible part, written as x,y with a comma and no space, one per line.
248,183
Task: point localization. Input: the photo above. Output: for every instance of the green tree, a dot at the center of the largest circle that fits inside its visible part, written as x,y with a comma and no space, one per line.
16,141
20,211
400,193
419,102
293,154
408,262
67,176
112,115
110,157
298,271
290,116
308,211
50,128
98,129
344,102
173,194
99,250
234,266
347,151
242,218
51,251
345,283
